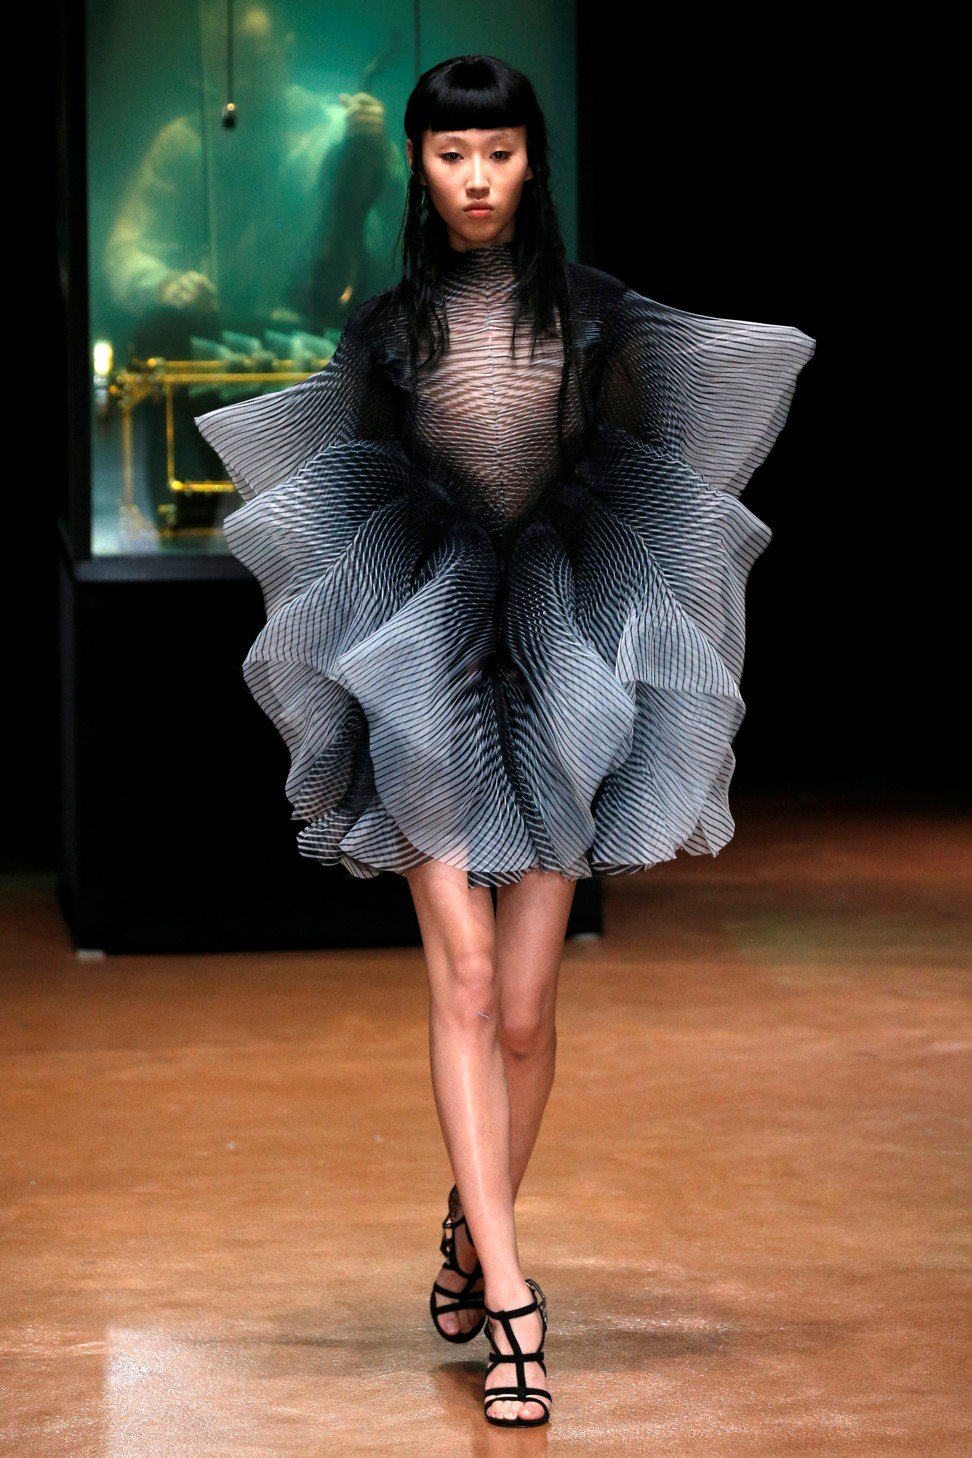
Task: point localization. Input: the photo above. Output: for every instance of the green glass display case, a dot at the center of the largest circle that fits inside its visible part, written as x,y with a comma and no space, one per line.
245,180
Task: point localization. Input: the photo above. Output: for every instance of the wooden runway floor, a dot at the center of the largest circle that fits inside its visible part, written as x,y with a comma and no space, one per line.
223,1179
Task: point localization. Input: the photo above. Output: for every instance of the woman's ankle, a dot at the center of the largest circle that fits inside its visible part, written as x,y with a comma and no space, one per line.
507,1292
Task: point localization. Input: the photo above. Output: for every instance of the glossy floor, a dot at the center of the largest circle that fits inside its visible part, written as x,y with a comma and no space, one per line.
223,1178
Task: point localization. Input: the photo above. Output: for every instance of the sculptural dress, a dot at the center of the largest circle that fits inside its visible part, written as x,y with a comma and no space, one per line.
487,647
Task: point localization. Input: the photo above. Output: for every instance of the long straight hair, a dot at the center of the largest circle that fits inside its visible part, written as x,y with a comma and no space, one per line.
482,91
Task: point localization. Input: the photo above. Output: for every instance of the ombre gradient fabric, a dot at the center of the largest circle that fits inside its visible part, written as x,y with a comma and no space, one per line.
478,649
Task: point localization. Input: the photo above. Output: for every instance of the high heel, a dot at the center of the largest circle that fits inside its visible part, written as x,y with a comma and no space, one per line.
465,1299
521,1392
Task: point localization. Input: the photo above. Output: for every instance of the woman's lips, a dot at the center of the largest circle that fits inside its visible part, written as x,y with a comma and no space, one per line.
480,210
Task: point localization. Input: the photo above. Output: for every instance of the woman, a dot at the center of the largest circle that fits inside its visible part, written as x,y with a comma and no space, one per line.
504,561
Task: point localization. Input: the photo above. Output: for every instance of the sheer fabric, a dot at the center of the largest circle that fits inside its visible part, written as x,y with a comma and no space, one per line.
480,649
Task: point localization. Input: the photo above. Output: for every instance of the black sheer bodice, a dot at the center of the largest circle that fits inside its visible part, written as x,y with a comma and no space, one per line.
484,422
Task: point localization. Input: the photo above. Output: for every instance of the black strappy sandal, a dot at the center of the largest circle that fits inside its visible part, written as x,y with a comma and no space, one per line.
521,1392
465,1299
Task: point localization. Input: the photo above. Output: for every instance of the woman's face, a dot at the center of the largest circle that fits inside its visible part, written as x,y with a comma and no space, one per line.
474,166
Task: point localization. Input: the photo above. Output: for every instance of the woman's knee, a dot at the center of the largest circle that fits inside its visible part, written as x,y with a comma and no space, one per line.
468,990
525,1029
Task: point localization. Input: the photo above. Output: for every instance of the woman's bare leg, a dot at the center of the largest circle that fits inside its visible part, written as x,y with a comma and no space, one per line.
469,1077
531,923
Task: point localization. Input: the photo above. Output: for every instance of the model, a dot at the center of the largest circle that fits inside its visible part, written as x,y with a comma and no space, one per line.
504,559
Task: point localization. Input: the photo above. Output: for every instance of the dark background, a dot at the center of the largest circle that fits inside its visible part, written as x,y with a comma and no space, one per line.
724,180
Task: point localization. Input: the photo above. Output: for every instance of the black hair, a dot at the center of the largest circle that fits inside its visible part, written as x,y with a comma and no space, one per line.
482,91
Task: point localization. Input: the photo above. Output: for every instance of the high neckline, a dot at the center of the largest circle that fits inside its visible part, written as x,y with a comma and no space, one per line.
481,257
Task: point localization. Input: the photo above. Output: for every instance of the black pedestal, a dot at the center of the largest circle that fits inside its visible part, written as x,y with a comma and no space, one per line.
176,833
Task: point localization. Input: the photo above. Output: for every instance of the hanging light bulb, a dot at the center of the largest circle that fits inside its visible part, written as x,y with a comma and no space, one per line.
228,114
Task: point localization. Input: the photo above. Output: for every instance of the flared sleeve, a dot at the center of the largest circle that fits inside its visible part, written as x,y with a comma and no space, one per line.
312,462
657,548
714,392
330,528
263,440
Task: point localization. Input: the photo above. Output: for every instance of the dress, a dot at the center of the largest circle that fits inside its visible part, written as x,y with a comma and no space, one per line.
478,649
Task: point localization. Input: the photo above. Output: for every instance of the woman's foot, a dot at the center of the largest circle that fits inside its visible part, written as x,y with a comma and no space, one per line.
529,1333
459,1321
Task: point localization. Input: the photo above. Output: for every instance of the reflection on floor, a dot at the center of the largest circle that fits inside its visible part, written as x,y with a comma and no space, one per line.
224,1178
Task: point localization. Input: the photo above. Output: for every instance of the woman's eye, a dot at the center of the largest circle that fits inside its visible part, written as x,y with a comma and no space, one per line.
447,156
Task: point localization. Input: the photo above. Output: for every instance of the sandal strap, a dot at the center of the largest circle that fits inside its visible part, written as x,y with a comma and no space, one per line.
448,1249
498,1394
539,1395
458,1295
453,1218
495,1357
522,1392
517,1311
459,1303
463,1299
447,1245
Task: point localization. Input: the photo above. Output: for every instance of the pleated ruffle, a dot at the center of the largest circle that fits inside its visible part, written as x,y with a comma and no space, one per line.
568,704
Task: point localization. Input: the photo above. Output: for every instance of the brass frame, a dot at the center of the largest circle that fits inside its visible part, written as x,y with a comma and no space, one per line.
143,380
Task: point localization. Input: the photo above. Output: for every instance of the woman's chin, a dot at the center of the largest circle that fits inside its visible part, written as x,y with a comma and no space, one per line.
476,232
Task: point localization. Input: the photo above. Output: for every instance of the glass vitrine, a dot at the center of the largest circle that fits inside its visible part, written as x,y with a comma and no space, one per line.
245,190
245,179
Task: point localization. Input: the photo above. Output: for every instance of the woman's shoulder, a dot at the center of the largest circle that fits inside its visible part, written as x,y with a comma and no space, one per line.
372,311
594,291
376,329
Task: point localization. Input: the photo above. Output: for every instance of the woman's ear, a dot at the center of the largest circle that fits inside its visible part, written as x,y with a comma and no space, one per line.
410,158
